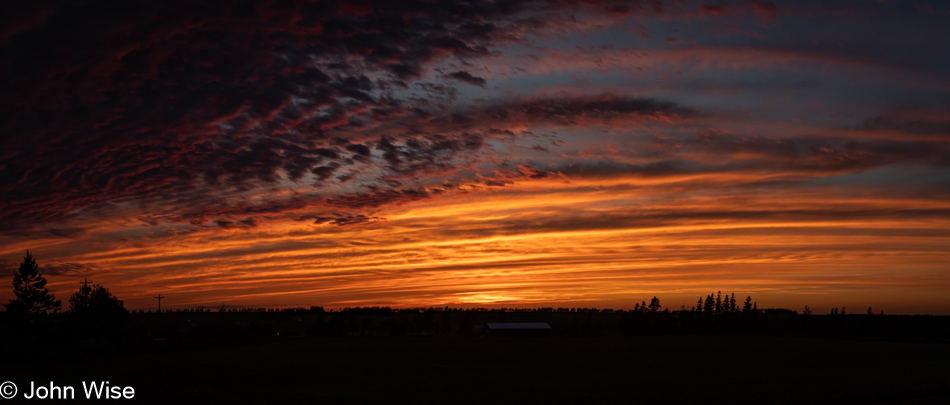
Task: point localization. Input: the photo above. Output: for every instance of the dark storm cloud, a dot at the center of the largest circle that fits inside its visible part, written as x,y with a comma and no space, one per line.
467,77
358,149
125,101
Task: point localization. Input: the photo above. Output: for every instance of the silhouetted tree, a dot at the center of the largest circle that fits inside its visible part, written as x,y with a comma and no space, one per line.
719,302
806,311
80,300
870,312
710,305
654,304
699,305
732,303
747,306
96,301
29,287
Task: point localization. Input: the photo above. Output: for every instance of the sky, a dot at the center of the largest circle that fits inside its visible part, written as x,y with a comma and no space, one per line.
505,153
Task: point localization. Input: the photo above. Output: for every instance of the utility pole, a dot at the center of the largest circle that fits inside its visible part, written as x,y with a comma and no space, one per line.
159,302
84,282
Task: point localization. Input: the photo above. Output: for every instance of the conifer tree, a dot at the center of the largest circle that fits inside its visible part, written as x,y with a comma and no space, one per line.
748,304
710,305
29,287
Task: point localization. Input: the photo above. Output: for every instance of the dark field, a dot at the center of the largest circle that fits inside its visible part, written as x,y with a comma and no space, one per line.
692,368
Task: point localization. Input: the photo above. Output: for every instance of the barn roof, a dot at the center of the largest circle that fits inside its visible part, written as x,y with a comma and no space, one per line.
518,325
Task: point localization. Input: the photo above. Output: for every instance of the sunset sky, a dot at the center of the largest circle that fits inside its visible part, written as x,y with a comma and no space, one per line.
481,154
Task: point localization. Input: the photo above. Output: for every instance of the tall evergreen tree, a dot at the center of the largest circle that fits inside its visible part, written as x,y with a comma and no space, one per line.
719,302
732,303
654,304
710,305
29,287
747,306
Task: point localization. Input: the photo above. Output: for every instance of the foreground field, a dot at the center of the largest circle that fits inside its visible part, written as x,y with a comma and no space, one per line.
662,369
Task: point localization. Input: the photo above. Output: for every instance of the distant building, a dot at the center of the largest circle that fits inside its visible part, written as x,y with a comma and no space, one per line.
518,329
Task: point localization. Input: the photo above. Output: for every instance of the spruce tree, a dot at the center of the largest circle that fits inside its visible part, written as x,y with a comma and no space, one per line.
29,287
710,305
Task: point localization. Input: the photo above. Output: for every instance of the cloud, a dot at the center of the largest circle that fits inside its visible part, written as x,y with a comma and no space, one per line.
165,100
346,220
912,125
713,9
69,269
378,198
53,269
467,77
